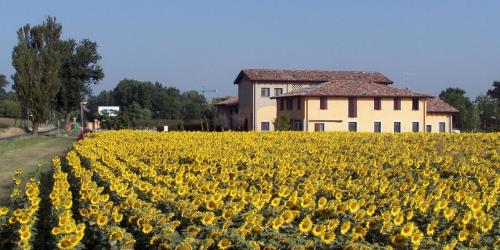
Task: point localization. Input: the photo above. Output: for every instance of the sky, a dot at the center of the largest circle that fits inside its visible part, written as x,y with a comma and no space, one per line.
426,46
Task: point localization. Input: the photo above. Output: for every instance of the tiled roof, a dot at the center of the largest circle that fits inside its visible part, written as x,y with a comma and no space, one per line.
436,105
317,76
354,88
231,100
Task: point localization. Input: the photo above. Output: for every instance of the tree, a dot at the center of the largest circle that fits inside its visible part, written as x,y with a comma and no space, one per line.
465,118
282,123
489,112
192,105
495,91
3,84
36,59
79,70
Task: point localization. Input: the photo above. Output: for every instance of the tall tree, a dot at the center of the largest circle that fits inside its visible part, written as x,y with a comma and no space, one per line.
495,91
465,118
3,84
36,59
488,112
80,70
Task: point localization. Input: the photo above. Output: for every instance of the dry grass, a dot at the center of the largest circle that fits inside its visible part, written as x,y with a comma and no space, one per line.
6,132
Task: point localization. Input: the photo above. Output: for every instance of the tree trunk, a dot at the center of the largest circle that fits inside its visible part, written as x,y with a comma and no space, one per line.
35,128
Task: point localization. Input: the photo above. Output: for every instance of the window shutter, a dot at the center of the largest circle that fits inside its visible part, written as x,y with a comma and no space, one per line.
377,103
352,109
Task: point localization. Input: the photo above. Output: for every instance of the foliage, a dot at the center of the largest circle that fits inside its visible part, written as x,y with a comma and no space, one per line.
282,123
163,102
36,59
495,91
79,70
489,112
3,84
466,118
126,118
10,108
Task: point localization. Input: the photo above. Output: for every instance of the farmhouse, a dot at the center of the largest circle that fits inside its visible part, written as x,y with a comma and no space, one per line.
336,101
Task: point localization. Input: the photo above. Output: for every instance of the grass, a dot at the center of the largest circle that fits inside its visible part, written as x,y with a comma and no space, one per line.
11,122
9,127
32,155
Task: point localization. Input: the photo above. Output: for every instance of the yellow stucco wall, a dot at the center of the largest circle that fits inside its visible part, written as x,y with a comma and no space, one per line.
433,119
335,118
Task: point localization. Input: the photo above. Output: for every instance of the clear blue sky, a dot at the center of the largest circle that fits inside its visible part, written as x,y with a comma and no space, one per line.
423,45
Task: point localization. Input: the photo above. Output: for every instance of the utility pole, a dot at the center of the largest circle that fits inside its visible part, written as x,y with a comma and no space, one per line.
81,111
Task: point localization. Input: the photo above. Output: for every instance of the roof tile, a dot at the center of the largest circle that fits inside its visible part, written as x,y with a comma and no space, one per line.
318,76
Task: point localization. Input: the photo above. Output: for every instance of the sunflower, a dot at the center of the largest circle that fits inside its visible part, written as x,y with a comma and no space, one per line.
147,228
486,226
359,232
398,220
116,235
64,244
224,244
288,216
102,220
430,227
416,238
462,235
208,218
332,224
407,229
327,238
24,233
398,240
371,210
322,202
305,225
275,202
277,223
449,213
118,217
318,230
345,227
395,210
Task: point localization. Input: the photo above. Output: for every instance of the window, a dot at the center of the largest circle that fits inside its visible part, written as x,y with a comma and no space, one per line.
428,128
264,92
319,127
352,126
377,127
377,103
415,127
397,127
397,103
289,103
278,91
323,103
299,103
264,126
353,107
282,104
298,125
442,127
414,104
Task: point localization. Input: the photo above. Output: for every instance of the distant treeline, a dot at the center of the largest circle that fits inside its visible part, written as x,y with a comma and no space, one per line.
145,101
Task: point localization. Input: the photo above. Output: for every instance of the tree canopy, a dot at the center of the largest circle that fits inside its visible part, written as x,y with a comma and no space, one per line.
464,119
36,59
163,102
79,70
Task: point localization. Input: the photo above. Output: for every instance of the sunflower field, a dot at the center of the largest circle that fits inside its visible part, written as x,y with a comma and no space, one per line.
276,190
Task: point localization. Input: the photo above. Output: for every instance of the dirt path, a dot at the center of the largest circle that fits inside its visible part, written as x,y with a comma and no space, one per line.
28,157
